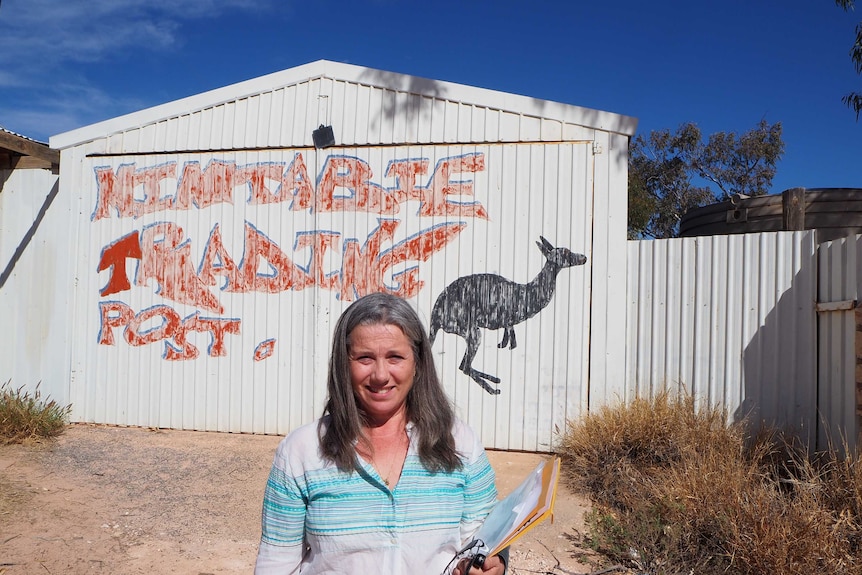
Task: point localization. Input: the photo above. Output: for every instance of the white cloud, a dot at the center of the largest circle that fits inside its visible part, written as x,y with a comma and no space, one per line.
34,31
9,80
60,107
44,43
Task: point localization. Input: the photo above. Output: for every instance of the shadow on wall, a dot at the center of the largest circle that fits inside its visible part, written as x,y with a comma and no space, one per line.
779,363
25,241
437,89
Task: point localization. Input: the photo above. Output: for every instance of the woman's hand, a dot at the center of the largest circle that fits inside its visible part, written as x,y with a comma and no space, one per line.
493,566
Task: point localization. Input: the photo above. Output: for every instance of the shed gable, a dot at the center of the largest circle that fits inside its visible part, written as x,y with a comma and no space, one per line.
364,106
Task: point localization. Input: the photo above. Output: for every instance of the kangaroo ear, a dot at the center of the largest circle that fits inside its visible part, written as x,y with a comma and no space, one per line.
546,243
543,247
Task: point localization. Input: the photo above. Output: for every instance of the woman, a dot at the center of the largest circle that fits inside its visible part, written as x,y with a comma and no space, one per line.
388,480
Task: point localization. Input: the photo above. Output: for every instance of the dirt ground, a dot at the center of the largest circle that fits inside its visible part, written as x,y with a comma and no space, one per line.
130,501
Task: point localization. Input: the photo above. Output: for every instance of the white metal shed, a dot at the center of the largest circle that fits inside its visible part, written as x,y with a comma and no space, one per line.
207,247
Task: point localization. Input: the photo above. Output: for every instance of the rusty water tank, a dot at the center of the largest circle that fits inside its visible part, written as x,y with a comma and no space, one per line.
832,212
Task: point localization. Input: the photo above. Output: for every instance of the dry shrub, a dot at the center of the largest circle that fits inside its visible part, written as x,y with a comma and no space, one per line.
676,489
25,416
610,452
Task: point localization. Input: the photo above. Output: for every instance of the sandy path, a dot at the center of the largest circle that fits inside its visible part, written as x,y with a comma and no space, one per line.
136,501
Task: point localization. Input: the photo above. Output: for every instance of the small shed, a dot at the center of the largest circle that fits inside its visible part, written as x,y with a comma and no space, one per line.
207,246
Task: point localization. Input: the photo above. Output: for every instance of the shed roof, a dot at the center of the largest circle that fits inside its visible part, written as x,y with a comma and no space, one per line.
400,83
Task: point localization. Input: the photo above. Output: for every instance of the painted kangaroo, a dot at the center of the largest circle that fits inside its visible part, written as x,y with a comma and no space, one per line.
491,301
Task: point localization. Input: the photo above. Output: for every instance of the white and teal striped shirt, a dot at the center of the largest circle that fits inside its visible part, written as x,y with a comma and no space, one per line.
317,519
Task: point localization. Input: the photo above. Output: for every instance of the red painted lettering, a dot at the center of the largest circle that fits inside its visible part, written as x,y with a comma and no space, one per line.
117,191
168,262
113,314
114,257
405,172
170,327
217,328
360,272
353,175
363,270
167,329
294,184
181,349
418,248
256,176
284,274
320,243
434,198
205,188
345,184
152,178
216,261
264,349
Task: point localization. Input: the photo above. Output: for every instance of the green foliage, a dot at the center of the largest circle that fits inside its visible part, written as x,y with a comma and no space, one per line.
676,489
853,100
642,206
26,416
664,167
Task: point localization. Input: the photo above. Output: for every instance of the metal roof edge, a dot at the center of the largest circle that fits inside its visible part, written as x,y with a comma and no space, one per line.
568,113
189,103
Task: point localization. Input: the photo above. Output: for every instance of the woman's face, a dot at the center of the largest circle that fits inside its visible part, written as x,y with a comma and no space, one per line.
382,368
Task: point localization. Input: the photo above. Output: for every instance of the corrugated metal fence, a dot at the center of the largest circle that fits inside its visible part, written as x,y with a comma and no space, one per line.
734,321
839,267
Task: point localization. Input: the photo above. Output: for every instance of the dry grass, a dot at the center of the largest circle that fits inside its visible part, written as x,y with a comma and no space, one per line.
678,490
25,416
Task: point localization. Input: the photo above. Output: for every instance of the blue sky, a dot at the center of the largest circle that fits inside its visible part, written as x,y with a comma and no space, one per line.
723,65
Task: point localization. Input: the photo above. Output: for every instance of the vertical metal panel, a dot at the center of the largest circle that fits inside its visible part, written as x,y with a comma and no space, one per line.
521,186
32,341
838,281
607,331
730,319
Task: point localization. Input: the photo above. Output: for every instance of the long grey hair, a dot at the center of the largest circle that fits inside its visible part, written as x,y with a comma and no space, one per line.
428,408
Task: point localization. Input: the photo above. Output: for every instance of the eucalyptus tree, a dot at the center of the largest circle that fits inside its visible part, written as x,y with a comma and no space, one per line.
854,99
672,172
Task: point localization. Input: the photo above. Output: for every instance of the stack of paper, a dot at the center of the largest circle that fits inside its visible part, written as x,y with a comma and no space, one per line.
530,503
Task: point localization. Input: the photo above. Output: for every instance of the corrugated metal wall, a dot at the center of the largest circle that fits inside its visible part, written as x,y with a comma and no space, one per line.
730,319
198,254
840,263
502,180
32,264
155,290
362,115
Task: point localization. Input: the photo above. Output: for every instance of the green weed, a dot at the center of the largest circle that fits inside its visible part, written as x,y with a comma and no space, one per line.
26,416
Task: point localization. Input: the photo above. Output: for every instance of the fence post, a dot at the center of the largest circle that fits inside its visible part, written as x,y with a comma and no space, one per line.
793,209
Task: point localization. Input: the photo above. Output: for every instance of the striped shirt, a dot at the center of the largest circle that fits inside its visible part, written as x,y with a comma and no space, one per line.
317,519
